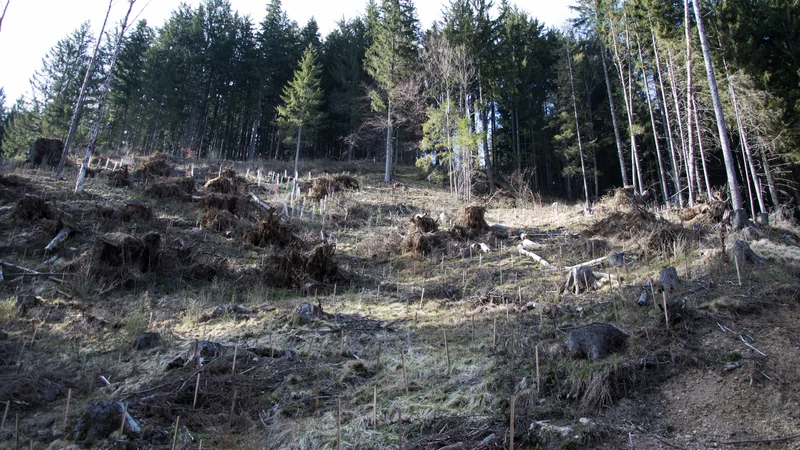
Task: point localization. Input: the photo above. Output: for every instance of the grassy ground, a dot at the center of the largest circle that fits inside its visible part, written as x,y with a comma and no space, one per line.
428,349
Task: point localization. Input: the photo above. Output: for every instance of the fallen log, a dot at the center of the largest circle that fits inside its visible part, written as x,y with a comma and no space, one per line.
60,237
263,205
535,257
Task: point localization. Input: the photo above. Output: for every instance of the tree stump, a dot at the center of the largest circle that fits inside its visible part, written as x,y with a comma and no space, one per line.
740,251
739,219
580,279
762,219
595,341
668,279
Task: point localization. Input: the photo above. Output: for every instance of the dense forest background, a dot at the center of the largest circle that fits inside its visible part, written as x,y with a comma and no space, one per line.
487,97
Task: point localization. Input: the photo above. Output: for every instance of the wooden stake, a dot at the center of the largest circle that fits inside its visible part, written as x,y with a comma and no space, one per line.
341,345
196,390
233,405
422,298
511,434
405,377
400,429
446,351
375,406
338,424
5,413
735,259
494,333
316,398
124,418
666,312
472,319
538,380
201,445
175,435
380,347
16,432
235,351
66,410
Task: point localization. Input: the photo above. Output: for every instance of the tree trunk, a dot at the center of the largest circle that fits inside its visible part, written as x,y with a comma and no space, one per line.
636,175
733,182
101,105
702,151
3,16
387,175
73,126
689,96
617,138
251,148
770,183
661,174
578,129
670,139
484,124
297,151
679,119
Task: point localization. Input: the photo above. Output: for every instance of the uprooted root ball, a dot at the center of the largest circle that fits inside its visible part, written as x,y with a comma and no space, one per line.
270,230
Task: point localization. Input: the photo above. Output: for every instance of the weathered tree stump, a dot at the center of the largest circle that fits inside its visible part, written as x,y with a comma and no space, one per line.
740,251
595,341
580,279
101,418
668,279
146,340
762,219
739,219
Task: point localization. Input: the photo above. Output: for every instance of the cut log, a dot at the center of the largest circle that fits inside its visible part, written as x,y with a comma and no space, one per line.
261,204
60,237
535,257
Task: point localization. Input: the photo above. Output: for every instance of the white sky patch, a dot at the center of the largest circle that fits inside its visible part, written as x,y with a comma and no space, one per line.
32,27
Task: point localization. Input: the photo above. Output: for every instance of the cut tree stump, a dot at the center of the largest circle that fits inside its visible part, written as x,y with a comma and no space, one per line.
580,279
740,251
668,279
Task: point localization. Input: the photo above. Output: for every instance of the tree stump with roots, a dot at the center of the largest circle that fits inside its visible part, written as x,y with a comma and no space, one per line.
580,279
741,252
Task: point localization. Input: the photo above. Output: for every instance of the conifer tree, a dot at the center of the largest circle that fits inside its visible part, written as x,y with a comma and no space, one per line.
391,58
302,98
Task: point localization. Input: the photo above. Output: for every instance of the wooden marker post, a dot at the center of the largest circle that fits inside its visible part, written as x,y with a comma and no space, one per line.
338,424
235,352
446,351
511,433
494,333
175,435
400,429
405,376
5,413
124,419
66,411
666,312
316,398
375,406
196,390
538,379
233,405
735,260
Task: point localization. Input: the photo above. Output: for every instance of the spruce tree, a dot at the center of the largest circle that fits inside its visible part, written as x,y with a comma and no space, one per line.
302,99
392,57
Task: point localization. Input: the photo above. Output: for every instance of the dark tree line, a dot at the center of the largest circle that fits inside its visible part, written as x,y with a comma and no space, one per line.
487,97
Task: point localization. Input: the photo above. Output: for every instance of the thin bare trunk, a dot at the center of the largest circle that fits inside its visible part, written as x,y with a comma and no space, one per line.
770,183
679,119
81,97
614,124
690,165
3,16
387,175
670,138
702,151
733,182
635,172
661,174
101,105
578,129
297,151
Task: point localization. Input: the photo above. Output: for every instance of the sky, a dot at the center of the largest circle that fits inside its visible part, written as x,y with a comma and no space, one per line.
32,27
